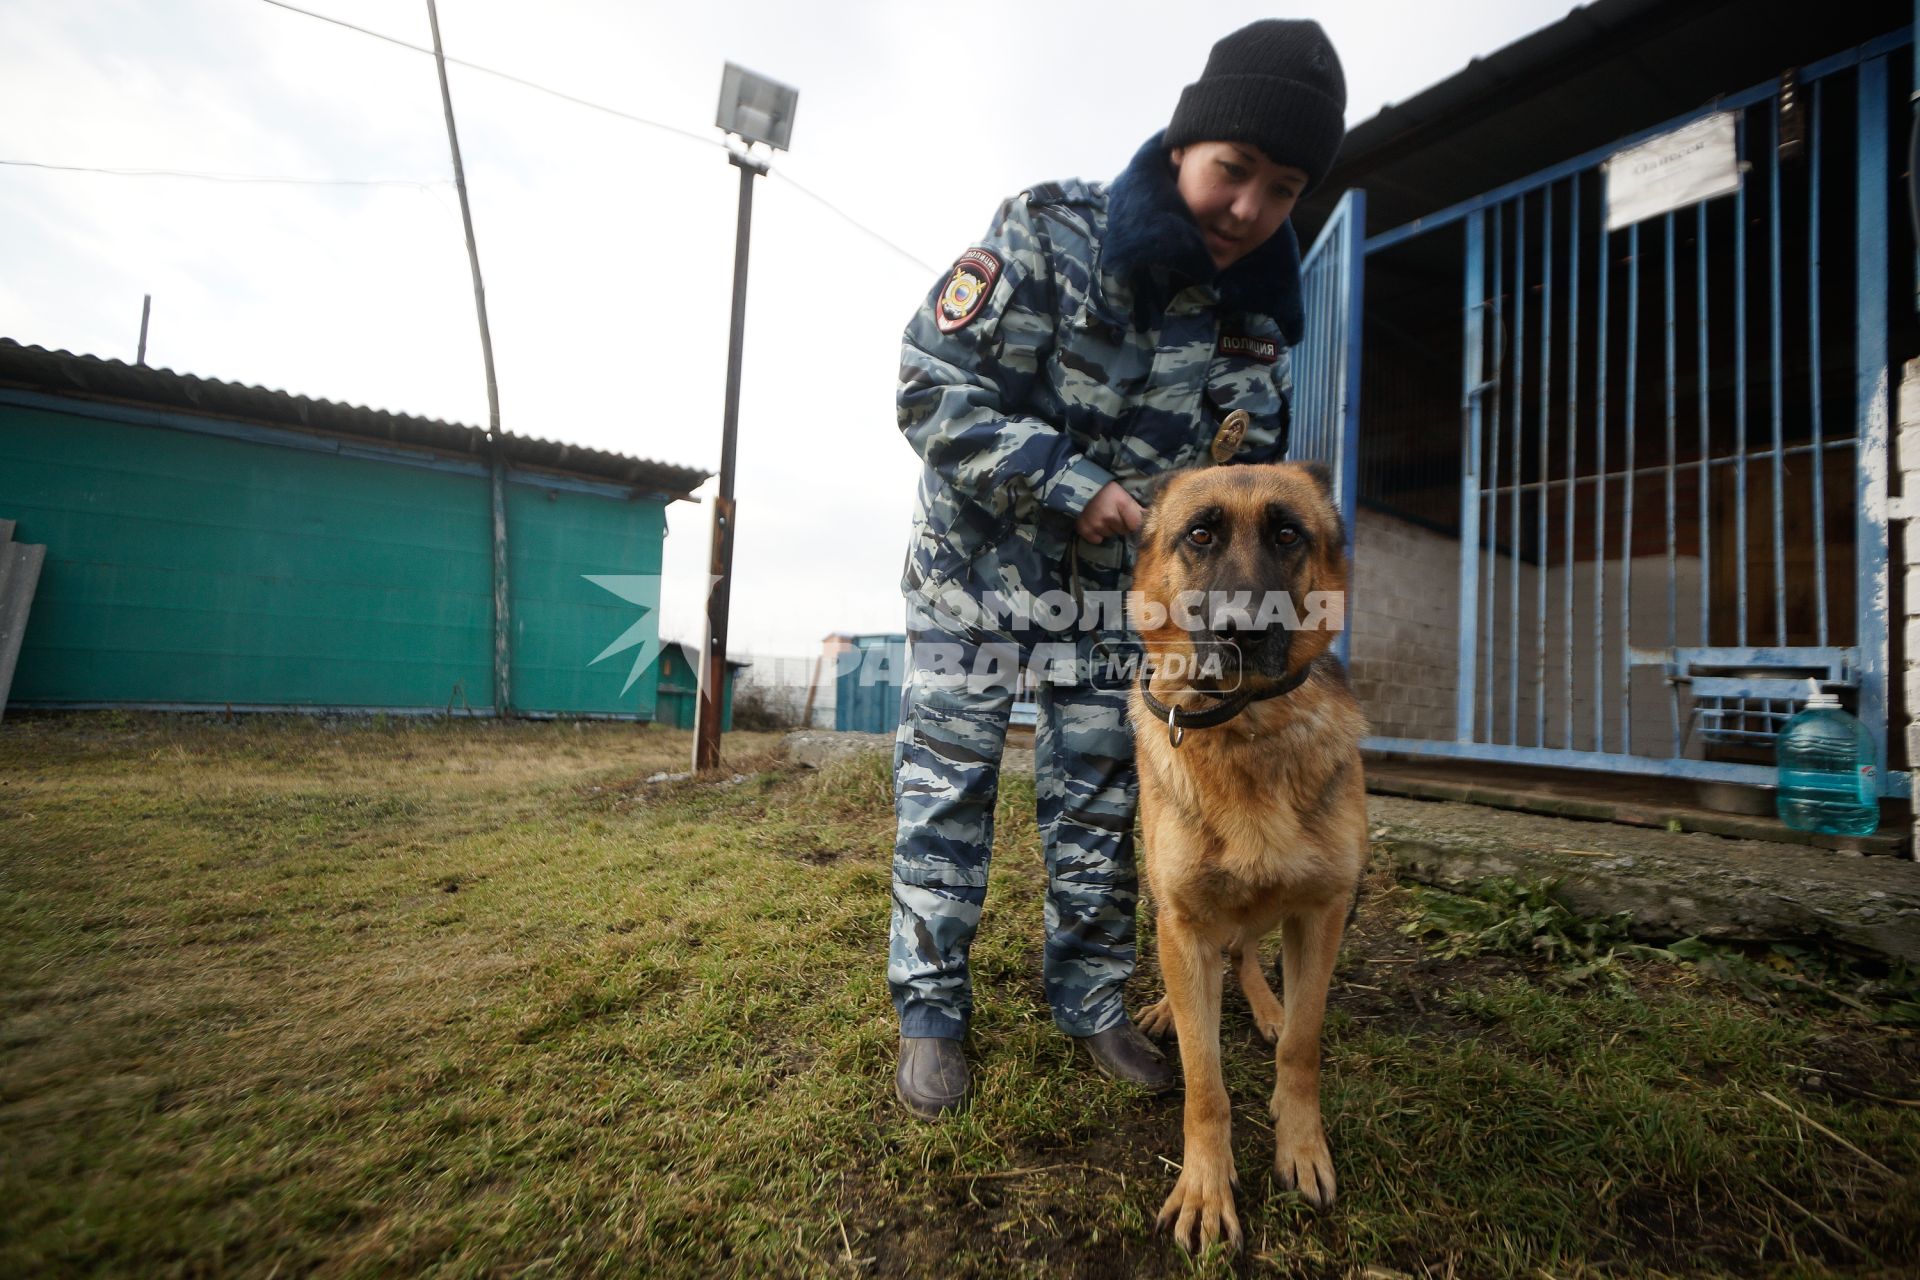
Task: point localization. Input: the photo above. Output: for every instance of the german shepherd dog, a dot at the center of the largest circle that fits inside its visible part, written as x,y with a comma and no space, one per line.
1251,798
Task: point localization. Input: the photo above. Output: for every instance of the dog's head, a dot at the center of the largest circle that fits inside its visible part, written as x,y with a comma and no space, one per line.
1247,564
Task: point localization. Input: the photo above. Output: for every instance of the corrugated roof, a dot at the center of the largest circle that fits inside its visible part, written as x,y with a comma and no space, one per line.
1607,69
92,377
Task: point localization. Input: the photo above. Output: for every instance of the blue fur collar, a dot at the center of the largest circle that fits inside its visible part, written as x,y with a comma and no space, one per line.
1148,225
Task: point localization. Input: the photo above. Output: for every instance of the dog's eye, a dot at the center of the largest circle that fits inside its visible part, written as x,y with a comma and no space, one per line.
1287,536
1200,536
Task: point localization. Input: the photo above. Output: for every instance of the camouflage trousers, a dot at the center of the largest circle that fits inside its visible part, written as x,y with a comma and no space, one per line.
953,727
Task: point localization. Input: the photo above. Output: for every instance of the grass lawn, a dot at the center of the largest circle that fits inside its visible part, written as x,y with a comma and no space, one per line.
284,997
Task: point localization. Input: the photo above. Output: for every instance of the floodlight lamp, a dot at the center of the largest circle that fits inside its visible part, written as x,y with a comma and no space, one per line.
755,108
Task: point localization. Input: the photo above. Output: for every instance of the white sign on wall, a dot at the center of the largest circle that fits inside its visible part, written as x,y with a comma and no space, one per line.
1693,163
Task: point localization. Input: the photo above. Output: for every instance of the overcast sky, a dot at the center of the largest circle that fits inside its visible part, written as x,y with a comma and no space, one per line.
606,245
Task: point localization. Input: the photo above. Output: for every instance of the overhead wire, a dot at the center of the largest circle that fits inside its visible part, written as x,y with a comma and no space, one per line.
848,218
342,22
503,75
629,116
233,177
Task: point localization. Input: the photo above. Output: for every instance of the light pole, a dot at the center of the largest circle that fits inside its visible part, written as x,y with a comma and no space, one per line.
752,109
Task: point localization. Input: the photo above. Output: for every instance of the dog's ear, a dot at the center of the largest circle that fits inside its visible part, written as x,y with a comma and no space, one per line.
1322,476
1155,486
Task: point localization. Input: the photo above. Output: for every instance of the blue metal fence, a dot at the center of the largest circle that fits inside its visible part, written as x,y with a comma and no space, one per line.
1644,576
1326,362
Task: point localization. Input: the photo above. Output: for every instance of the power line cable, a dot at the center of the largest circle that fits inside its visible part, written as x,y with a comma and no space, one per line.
232,177
848,218
688,134
342,22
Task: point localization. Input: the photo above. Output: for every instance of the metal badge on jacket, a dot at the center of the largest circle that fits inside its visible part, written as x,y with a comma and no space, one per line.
1226,441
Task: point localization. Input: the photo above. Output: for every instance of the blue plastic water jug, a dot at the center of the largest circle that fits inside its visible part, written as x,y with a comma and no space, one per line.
1827,781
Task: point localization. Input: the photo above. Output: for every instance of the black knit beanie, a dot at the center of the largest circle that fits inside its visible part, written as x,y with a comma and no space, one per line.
1275,83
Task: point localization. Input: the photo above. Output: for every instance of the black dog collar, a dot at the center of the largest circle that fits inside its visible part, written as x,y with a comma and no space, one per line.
1179,721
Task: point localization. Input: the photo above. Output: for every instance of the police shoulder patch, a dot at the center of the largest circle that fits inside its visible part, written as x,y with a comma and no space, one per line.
967,289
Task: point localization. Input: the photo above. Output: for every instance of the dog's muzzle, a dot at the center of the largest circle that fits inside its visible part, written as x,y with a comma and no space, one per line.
1246,649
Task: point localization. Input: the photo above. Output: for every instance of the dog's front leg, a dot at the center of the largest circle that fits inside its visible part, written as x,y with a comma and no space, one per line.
1200,1210
1309,944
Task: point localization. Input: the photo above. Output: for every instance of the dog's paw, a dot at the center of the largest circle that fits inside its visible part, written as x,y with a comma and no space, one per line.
1200,1212
1269,1022
1157,1021
1304,1164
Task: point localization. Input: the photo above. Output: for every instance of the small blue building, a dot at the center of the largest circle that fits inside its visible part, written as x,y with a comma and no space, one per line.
870,675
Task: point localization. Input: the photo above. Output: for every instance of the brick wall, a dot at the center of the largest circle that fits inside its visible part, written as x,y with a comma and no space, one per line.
1404,615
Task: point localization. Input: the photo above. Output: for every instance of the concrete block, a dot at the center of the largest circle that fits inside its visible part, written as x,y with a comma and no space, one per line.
1906,445
19,577
1906,406
815,747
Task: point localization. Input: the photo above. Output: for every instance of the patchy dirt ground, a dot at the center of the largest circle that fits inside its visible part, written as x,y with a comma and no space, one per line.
479,999
1079,1203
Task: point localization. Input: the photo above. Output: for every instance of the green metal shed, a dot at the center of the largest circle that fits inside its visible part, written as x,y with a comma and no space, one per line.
679,686
216,545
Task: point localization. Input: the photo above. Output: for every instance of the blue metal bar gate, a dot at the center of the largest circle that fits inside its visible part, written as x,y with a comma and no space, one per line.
1651,563
1326,363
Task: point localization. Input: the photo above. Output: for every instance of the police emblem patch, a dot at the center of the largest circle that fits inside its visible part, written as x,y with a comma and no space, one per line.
967,289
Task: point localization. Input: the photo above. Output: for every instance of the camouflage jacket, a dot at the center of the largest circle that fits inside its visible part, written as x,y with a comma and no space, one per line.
1086,338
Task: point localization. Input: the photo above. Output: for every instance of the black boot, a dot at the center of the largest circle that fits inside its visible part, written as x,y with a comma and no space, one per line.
932,1079
1123,1053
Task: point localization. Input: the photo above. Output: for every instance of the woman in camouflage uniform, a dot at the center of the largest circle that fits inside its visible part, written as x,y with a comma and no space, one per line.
1095,338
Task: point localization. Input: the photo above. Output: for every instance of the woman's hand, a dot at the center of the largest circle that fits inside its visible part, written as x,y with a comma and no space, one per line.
1112,511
